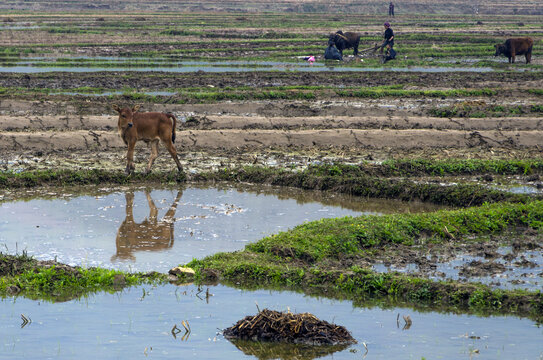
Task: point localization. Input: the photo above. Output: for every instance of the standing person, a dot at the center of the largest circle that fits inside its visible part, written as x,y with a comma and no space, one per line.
388,43
391,9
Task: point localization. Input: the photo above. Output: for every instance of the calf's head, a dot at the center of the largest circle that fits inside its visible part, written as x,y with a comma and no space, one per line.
126,116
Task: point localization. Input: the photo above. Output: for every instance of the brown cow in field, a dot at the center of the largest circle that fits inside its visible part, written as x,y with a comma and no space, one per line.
150,127
149,235
514,47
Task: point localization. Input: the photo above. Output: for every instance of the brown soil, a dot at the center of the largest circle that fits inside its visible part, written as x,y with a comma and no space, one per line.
80,131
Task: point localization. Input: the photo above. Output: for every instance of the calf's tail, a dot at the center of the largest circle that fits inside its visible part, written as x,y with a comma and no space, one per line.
174,124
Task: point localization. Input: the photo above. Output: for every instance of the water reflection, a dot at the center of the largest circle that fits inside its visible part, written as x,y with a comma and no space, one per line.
127,325
155,229
269,350
148,235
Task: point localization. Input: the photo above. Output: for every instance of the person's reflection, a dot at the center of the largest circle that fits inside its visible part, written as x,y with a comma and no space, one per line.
149,235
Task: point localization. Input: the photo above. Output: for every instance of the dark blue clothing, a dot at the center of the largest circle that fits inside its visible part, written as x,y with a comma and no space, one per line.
388,36
332,53
391,54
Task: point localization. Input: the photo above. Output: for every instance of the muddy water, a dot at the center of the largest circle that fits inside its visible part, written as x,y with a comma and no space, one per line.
141,229
509,269
138,323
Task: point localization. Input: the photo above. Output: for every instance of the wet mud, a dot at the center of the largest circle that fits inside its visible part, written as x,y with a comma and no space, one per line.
72,130
509,261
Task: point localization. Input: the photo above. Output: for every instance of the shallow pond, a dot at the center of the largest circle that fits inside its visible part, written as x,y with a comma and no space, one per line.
140,229
138,323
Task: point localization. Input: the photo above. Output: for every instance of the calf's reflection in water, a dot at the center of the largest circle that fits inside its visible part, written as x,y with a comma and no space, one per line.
149,235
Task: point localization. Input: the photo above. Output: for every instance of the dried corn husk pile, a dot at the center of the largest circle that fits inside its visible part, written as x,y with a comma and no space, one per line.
269,325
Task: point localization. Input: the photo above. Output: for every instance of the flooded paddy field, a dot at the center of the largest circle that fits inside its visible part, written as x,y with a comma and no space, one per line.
236,42
410,190
145,229
139,321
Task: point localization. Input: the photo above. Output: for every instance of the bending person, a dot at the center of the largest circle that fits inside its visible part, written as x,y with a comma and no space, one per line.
388,43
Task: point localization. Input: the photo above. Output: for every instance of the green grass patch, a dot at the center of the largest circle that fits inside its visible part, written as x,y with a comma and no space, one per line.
367,181
22,275
301,257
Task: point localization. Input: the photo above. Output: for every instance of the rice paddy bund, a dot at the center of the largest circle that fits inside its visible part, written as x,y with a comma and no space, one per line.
384,199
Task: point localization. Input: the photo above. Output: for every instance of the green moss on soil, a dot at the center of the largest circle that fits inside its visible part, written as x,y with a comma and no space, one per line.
49,280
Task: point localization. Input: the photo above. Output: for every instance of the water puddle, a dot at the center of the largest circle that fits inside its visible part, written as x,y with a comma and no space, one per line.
138,323
503,267
139,229
529,185
18,26
184,67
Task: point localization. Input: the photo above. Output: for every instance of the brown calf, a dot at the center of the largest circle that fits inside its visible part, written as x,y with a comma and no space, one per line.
516,46
149,235
149,127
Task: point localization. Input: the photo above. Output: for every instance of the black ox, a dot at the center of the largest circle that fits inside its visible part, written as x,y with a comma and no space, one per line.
344,41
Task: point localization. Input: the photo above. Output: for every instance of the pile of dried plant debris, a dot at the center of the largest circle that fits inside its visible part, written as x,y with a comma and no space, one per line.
269,325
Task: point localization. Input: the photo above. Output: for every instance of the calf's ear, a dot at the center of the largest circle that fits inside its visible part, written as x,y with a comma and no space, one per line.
136,107
116,108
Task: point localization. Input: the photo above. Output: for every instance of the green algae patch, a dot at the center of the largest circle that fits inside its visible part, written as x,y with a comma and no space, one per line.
53,281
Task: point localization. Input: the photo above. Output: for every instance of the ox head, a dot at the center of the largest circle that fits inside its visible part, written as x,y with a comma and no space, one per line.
126,116
500,49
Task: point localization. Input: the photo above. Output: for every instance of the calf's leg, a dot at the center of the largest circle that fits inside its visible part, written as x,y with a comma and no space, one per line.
154,155
171,149
153,210
130,167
